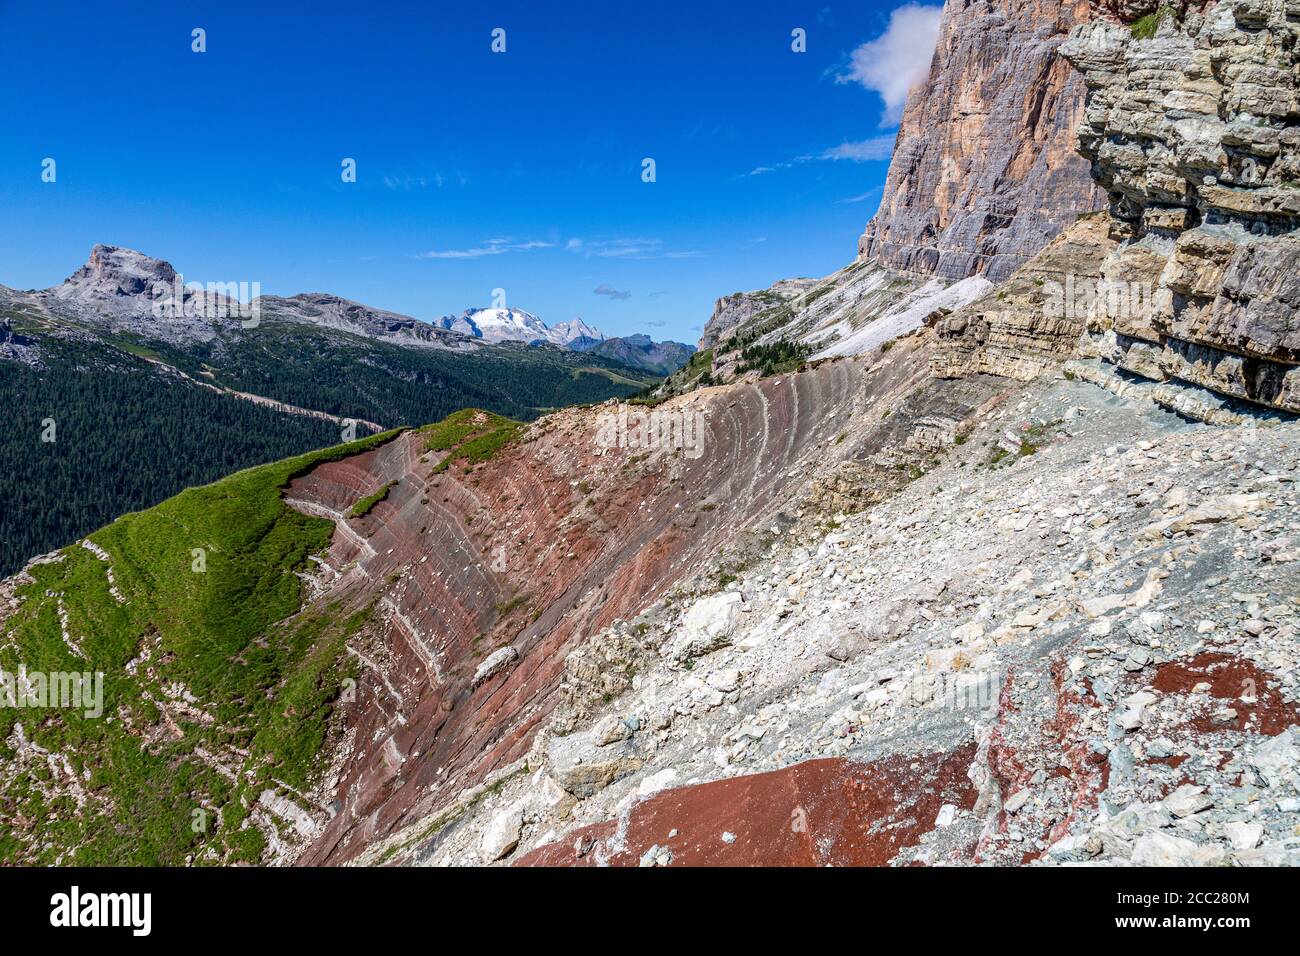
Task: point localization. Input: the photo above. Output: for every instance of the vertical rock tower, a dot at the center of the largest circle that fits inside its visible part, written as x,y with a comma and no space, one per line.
986,172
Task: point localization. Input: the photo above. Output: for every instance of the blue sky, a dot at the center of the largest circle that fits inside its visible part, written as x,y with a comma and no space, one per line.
475,170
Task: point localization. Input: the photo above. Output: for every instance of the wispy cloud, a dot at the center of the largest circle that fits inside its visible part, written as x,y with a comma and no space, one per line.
763,170
628,248
491,247
877,147
617,248
873,148
613,293
898,59
863,197
406,182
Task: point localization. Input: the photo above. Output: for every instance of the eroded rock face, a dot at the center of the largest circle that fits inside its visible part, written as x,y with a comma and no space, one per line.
1193,133
113,273
1083,653
731,311
1031,321
484,580
830,812
985,171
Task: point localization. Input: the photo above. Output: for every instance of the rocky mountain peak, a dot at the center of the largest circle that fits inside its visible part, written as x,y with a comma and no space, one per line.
577,329
515,325
113,272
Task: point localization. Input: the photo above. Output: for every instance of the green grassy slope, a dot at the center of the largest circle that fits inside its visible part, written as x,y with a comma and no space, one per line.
198,658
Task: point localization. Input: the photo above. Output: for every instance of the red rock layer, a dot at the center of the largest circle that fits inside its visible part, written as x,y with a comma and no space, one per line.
830,812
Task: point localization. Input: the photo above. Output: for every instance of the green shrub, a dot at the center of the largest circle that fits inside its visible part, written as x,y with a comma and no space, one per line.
470,435
362,507
1144,28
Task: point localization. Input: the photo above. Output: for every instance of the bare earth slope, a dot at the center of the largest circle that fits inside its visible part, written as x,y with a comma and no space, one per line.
523,558
1083,652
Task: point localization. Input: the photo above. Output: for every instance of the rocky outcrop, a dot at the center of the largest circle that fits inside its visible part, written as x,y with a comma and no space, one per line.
16,347
985,171
112,273
1193,128
861,308
983,176
1034,319
735,310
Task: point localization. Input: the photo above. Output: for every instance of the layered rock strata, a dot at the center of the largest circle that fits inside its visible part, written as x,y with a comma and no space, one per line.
1193,128
1034,319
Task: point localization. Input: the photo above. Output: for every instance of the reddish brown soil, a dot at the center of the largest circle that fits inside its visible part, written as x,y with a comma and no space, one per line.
831,812
1173,762
1230,677
1014,750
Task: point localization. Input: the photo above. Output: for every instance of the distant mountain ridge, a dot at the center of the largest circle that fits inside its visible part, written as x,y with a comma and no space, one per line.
640,351
123,288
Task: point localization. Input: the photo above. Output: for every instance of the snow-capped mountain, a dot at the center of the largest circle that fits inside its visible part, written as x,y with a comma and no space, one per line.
516,325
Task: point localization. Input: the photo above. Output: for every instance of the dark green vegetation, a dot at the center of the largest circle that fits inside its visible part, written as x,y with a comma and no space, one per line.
225,672
774,358
125,438
129,433
362,507
1144,28
470,435
394,385
697,373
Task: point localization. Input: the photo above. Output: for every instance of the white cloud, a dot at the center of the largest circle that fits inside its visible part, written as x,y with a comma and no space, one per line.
408,181
610,291
492,247
617,248
878,147
627,248
898,59
863,197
